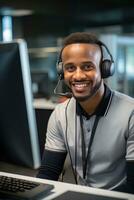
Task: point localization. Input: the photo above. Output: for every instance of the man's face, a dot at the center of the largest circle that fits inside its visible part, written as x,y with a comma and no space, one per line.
81,66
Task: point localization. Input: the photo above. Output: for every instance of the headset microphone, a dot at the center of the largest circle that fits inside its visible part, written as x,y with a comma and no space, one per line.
66,94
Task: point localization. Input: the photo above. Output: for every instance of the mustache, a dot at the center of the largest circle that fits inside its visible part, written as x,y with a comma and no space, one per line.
80,81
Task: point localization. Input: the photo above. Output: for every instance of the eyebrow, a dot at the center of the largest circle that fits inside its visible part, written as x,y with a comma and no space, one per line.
85,62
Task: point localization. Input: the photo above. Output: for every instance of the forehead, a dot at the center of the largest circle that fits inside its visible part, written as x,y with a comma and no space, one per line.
81,49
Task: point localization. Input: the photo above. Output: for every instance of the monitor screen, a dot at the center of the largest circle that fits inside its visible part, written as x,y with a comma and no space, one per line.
18,132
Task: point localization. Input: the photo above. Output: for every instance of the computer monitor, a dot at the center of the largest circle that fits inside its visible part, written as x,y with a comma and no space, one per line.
18,132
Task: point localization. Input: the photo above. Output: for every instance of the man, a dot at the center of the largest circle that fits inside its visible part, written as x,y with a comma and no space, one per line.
95,126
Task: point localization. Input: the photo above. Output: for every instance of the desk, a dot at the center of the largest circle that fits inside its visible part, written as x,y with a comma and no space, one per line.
44,104
60,188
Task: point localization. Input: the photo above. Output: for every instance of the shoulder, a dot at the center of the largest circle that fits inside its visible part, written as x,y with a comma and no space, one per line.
122,104
66,105
123,98
61,109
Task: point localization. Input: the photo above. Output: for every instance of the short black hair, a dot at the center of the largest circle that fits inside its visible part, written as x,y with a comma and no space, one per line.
81,37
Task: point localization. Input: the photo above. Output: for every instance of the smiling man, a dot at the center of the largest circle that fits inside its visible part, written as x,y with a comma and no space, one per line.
96,125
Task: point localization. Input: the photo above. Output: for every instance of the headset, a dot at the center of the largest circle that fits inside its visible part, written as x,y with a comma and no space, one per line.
107,64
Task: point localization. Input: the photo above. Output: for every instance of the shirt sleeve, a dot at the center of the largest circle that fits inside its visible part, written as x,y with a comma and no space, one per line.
130,139
54,136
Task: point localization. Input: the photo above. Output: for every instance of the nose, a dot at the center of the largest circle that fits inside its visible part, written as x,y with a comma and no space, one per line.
78,74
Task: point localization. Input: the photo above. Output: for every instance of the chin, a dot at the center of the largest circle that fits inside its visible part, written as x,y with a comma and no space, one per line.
82,98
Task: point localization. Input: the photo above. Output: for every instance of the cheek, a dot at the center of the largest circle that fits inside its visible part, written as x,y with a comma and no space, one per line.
66,79
96,75
67,76
93,76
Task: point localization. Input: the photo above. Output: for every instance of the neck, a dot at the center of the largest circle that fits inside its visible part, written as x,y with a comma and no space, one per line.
91,104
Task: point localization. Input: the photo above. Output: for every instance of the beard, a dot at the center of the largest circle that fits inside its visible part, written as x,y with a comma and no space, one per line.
92,92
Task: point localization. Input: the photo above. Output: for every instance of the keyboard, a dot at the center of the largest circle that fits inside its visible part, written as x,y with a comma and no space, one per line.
14,188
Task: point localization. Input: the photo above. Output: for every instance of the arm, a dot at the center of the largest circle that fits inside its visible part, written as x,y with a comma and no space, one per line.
129,185
130,156
55,151
52,165
130,177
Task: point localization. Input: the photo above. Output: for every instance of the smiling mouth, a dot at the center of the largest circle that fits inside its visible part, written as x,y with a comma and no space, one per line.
80,86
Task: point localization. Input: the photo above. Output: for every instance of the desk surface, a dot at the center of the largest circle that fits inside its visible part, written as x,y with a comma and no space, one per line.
60,188
44,104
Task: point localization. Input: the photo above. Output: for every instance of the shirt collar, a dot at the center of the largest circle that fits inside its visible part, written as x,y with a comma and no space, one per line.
103,106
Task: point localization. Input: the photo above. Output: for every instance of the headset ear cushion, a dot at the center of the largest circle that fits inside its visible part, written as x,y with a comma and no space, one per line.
59,67
107,68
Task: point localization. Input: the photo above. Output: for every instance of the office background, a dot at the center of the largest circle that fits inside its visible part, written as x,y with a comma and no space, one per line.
44,23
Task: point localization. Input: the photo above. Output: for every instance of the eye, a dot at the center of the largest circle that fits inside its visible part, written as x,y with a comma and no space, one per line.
88,66
69,68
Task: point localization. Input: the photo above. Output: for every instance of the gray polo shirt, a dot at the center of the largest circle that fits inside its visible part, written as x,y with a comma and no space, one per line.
113,142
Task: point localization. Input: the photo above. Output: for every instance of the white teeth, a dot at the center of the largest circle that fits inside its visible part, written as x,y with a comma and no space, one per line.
80,85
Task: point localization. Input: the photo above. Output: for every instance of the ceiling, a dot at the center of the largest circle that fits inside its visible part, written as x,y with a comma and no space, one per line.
62,16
